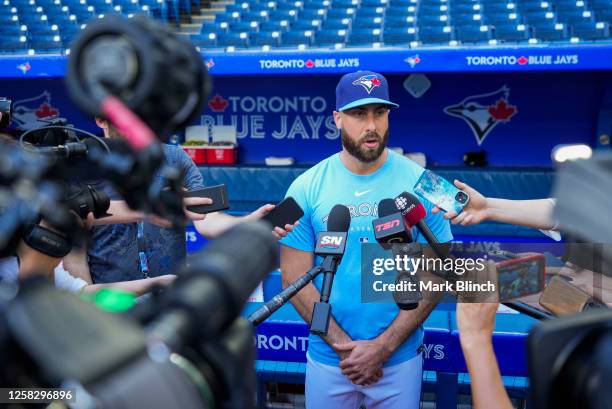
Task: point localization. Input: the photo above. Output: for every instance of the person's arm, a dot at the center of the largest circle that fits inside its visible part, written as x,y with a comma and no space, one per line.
218,222
537,214
295,263
75,263
476,322
367,357
137,287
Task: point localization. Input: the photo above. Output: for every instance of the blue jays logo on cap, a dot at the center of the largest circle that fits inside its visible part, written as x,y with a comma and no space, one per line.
362,88
369,82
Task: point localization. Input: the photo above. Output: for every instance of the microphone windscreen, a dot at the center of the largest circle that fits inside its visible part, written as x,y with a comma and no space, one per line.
411,208
387,207
339,219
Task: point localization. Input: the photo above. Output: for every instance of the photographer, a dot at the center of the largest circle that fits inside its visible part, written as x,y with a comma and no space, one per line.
130,245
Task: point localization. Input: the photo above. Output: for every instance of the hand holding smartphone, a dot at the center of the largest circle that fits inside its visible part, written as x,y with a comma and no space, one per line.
286,212
218,194
440,192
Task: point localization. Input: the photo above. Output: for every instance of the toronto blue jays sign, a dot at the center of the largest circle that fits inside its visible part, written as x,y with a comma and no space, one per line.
516,118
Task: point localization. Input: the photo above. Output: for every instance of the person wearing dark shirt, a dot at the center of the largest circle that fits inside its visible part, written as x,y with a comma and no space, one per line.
131,245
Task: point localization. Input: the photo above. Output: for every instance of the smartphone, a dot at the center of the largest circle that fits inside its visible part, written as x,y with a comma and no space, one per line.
218,194
440,192
286,212
522,276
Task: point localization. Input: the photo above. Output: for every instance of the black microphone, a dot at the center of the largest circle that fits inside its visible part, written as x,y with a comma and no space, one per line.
330,244
266,310
390,230
68,150
414,212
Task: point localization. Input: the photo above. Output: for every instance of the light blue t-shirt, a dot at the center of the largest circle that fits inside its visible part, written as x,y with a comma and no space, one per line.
317,191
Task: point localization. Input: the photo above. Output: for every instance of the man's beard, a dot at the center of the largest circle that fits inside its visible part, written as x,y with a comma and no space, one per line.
359,151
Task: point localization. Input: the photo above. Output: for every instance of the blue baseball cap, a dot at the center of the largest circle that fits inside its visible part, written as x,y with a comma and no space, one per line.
362,88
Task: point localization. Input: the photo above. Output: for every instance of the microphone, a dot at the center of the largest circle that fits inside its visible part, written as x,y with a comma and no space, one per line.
69,150
331,245
264,312
390,230
414,212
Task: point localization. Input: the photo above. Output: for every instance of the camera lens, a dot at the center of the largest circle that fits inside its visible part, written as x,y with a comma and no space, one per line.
461,197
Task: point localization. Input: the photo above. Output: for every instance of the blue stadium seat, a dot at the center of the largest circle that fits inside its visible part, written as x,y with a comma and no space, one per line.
288,5
238,40
9,45
271,39
293,39
303,25
470,19
340,13
365,37
604,15
336,23
474,34
46,45
431,9
345,3
287,14
399,21
239,7
401,11
540,17
227,17
465,8
312,14
551,32
577,15
68,32
534,5
8,18
204,40
598,5
400,37
591,31
368,22
258,15
497,7
274,25
11,30
374,3
503,19
317,4
435,34
370,12
434,20
242,26
329,38
512,33
214,27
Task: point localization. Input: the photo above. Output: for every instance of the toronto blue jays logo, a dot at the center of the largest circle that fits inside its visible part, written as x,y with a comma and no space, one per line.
30,112
483,112
368,82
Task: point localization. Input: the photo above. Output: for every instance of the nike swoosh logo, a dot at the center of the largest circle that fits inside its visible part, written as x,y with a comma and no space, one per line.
357,194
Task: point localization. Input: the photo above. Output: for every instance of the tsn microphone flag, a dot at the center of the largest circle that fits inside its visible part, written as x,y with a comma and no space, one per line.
330,243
